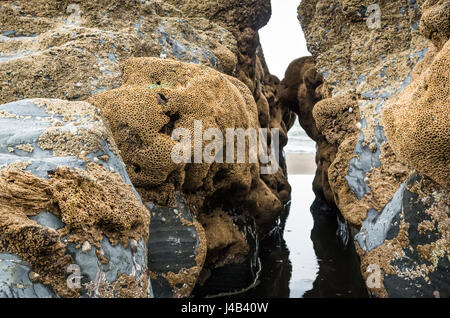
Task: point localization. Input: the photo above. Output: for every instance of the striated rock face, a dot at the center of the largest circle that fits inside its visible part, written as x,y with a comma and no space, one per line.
67,206
387,117
176,249
409,242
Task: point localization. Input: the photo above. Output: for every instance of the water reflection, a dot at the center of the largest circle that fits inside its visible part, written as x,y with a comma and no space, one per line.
276,269
297,231
304,257
339,272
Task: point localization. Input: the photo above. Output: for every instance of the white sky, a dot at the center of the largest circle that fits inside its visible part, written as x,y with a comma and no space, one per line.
282,38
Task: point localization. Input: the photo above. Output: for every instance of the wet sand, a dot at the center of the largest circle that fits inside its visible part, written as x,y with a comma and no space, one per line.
301,163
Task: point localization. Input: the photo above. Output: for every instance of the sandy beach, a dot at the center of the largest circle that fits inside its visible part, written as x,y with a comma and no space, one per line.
301,163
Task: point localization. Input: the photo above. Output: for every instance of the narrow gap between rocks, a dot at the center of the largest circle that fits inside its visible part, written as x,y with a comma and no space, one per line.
304,257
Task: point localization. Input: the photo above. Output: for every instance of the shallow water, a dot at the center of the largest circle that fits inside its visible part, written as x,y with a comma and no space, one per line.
299,142
305,257
297,236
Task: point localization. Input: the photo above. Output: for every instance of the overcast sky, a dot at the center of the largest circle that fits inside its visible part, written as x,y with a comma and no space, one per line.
282,38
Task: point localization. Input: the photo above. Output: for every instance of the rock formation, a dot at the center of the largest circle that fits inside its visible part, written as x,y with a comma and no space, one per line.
67,206
386,120
374,96
158,97
76,49
299,91
73,50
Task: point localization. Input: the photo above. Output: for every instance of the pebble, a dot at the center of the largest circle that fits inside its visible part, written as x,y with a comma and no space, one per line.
359,126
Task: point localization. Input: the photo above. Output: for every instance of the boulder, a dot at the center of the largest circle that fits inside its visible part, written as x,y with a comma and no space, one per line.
408,242
71,50
72,224
386,124
160,96
157,98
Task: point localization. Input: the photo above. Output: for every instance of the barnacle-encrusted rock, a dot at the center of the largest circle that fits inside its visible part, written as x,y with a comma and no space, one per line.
357,57
159,96
406,83
435,21
68,187
249,13
409,240
417,121
405,247
72,49
334,119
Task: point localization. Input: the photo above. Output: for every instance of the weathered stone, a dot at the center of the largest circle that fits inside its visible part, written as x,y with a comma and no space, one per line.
177,249
371,164
409,241
46,226
62,49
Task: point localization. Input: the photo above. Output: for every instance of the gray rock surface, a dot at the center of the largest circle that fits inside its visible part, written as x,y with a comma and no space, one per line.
24,123
174,246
